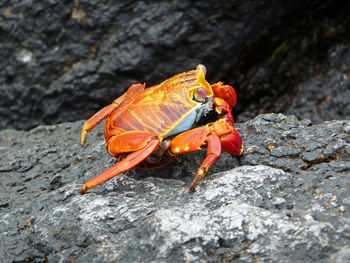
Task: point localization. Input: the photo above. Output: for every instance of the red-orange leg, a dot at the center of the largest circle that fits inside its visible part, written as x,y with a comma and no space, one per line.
103,113
213,153
215,135
94,120
193,140
126,164
159,158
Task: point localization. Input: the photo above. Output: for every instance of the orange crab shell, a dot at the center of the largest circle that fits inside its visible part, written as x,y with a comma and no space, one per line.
158,109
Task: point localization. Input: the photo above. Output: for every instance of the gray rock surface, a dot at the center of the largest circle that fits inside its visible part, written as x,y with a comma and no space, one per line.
325,96
63,60
286,200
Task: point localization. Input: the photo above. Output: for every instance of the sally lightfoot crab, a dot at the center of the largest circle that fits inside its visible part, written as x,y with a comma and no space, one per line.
148,128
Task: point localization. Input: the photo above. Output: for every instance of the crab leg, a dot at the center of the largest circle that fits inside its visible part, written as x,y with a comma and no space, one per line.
215,135
194,140
130,161
94,120
213,153
103,113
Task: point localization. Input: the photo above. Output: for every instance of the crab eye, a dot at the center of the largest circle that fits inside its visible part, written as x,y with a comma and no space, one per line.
202,67
200,94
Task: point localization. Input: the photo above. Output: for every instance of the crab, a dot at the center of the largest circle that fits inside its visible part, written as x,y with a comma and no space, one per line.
149,128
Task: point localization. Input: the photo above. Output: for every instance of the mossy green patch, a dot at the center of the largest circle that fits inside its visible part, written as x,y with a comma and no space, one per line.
278,51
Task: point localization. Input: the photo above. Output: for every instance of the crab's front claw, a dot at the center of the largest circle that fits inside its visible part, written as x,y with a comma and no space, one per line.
225,92
214,136
194,140
232,143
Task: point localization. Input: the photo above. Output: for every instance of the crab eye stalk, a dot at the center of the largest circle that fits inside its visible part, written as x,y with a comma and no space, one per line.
202,67
200,95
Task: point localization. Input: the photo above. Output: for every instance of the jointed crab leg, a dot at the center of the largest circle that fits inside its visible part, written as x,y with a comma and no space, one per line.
214,135
213,153
130,161
94,120
194,140
103,113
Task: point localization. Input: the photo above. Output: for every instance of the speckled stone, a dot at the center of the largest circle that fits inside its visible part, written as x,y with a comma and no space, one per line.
274,204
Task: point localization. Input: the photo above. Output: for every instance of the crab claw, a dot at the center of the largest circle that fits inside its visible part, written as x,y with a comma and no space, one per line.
225,92
232,143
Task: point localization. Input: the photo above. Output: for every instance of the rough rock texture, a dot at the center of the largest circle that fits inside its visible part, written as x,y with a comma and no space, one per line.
287,201
326,96
306,72
63,60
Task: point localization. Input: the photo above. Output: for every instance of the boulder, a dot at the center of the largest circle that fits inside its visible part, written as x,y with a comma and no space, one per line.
326,95
287,199
63,60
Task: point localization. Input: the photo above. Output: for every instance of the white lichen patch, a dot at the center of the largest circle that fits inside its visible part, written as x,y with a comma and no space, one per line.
25,56
232,218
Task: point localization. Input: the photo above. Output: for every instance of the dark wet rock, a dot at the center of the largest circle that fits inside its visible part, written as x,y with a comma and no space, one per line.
63,60
288,200
326,96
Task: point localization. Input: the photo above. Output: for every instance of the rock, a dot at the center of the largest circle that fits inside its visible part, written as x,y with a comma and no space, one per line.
62,61
287,200
325,96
